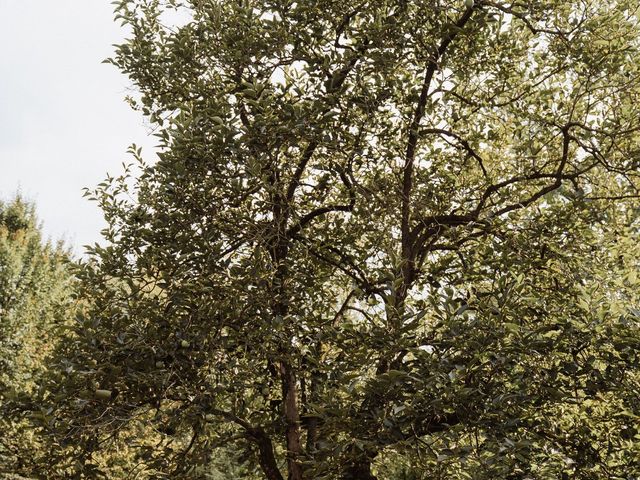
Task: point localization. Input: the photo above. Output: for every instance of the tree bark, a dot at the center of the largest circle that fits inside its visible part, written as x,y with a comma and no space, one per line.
292,419
266,456
280,308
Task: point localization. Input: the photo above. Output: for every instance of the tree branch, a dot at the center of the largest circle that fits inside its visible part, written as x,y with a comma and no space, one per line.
266,455
306,219
333,84
462,141
412,144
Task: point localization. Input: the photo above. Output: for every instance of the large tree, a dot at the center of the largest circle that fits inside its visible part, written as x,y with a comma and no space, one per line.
35,302
377,236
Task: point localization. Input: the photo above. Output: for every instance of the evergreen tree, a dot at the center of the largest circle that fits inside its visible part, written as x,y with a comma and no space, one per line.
35,302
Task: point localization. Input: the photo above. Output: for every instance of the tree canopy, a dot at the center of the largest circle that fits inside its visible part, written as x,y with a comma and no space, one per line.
35,301
383,239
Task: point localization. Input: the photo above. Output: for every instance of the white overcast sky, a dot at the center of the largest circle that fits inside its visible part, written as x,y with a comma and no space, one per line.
63,121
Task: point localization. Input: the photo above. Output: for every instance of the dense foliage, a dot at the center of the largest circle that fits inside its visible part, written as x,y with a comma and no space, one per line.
35,301
383,239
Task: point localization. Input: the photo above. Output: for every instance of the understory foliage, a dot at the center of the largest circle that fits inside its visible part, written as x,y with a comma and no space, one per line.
383,239
35,300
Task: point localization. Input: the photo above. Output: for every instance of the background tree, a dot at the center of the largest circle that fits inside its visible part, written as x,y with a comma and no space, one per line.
375,235
35,301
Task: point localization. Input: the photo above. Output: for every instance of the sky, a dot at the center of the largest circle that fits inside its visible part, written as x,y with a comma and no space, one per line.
63,121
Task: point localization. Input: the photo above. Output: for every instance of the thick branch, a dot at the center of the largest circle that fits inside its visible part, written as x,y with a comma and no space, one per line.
414,128
412,144
266,455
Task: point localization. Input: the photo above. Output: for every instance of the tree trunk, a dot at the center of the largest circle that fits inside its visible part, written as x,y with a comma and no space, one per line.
292,419
279,248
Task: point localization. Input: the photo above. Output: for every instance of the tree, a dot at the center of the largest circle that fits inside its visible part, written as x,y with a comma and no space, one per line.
35,299
374,236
